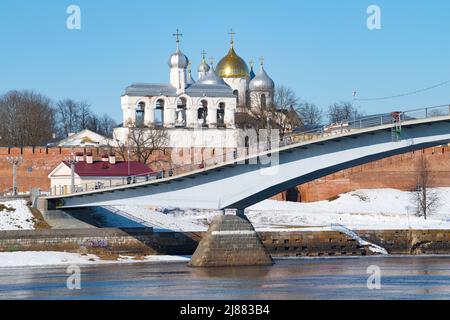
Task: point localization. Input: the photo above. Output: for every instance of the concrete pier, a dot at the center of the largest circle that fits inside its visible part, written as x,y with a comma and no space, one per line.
231,241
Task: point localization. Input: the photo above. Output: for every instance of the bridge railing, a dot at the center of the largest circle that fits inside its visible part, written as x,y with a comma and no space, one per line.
343,127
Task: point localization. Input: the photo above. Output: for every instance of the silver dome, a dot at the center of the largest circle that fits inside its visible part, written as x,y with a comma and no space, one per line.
211,78
262,82
178,60
204,66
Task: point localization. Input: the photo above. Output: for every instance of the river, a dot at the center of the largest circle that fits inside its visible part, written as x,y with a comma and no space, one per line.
330,278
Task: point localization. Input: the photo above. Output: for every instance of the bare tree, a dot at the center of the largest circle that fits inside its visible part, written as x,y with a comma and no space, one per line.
280,114
27,119
345,111
84,110
142,143
69,116
106,126
94,123
285,98
310,114
426,200
74,116
102,125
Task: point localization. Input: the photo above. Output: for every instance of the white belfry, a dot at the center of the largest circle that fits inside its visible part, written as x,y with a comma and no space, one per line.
209,103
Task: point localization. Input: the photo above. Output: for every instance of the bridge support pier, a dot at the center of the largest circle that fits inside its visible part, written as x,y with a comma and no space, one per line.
231,241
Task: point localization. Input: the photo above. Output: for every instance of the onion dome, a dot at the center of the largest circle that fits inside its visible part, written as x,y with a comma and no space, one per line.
211,78
178,60
204,66
232,66
262,81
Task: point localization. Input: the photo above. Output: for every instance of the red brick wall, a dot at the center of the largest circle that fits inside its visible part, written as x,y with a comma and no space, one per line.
43,160
394,172
39,159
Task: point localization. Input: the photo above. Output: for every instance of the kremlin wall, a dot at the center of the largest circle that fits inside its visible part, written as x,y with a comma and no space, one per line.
399,172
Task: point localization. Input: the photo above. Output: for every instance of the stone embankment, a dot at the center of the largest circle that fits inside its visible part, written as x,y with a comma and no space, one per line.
278,244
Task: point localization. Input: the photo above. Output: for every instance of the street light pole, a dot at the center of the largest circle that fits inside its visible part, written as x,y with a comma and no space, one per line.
72,161
128,155
15,162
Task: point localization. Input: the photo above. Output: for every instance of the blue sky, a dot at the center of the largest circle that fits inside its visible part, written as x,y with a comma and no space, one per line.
322,49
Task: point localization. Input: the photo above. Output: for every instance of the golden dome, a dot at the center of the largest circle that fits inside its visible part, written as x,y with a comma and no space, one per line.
232,66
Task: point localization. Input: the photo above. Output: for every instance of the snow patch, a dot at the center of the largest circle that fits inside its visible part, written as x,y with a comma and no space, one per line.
372,247
19,218
36,259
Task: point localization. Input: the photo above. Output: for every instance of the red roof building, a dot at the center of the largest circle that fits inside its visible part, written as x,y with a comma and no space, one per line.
107,169
93,175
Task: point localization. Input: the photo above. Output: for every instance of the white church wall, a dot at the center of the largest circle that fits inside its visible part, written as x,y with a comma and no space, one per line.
202,138
195,138
178,79
129,106
241,85
255,98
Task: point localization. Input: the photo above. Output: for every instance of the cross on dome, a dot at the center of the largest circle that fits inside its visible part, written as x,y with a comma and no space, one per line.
178,35
232,34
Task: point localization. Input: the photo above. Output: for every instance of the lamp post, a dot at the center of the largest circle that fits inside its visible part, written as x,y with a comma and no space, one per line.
72,161
15,162
128,155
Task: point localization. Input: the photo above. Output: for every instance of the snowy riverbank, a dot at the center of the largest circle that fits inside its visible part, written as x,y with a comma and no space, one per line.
37,259
382,209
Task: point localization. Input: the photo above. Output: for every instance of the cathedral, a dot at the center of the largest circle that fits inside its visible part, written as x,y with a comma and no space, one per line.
209,104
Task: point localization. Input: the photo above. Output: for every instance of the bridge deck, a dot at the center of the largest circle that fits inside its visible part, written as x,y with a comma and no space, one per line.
308,140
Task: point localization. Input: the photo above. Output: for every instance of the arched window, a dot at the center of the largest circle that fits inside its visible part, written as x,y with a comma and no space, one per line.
293,195
236,93
140,114
263,101
181,112
159,113
203,113
221,115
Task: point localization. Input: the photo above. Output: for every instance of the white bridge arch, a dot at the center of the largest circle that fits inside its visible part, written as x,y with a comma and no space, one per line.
238,186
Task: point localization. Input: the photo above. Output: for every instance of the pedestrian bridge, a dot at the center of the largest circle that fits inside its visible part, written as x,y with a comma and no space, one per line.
242,182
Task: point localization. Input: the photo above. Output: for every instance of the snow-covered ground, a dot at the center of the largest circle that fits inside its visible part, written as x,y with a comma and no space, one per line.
363,209
15,216
36,259
159,219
